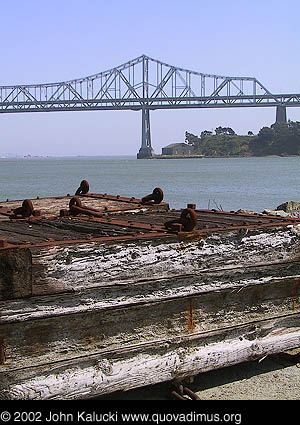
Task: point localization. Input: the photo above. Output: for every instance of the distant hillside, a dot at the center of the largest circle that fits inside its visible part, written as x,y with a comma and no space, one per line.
279,139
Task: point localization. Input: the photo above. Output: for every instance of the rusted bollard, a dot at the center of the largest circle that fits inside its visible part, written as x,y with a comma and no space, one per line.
83,188
187,220
26,210
76,207
155,197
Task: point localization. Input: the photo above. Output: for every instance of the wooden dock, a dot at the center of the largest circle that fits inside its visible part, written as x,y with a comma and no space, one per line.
98,294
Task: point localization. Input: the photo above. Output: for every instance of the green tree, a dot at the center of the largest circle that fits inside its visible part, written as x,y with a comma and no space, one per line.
293,142
224,131
262,143
266,134
191,139
204,134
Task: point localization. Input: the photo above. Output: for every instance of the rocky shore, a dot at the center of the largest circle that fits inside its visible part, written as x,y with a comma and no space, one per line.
287,209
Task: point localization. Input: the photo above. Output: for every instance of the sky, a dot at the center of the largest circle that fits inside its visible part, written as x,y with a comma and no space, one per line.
50,41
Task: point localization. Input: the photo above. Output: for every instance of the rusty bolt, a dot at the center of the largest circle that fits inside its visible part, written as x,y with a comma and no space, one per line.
3,243
178,396
191,394
176,227
2,350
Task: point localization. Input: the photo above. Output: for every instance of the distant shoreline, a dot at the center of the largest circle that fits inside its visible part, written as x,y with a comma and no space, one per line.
218,156
88,157
176,156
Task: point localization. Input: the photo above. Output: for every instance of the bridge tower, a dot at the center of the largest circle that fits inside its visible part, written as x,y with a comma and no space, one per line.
146,150
281,113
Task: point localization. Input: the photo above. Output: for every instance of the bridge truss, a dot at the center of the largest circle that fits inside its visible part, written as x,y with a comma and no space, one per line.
144,84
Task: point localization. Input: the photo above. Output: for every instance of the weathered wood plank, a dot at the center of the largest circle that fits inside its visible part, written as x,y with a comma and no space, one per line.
89,264
46,328
15,273
150,363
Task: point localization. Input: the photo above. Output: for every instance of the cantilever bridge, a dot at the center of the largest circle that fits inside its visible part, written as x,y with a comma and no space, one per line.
144,84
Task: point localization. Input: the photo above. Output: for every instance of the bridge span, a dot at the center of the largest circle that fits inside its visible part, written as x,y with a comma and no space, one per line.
145,84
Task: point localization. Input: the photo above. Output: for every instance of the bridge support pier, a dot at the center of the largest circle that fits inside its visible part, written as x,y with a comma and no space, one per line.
146,150
281,113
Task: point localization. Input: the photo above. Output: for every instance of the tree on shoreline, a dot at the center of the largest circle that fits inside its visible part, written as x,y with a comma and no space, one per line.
224,131
278,139
223,143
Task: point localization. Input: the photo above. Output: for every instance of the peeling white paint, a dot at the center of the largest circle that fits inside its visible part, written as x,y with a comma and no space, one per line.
89,264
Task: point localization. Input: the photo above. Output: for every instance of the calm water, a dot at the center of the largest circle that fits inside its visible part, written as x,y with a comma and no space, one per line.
232,183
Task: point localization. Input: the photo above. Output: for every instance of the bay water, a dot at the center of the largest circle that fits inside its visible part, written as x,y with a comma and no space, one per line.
221,183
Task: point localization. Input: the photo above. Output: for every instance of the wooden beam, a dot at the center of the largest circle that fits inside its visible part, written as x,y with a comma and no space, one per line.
53,327
149,363
15,273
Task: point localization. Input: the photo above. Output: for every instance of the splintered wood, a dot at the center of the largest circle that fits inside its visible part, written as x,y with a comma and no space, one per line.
92,305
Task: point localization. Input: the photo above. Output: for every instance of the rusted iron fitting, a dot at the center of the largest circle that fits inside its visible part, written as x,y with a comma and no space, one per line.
83,188
2,350
63,212
175,227
76,207
182,391
187,220
3,243
25,211
155,197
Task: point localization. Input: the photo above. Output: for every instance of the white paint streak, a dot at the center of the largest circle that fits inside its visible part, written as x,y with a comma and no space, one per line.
148,368
87,264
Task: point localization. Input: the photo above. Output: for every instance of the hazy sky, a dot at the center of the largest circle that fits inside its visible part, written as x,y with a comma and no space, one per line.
49,41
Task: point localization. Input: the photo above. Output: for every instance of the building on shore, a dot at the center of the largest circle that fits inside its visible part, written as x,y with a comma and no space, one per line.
177,149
